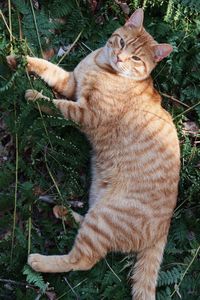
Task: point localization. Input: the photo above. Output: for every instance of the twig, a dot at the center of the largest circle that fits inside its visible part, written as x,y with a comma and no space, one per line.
112,270
182,277
13,37
72,289
60,297
40,112
174,99
177,208
185,111
47,199
20,27
57,188
29,229
86,47
4,20
16,282
16,186
10,25
71,46
36,27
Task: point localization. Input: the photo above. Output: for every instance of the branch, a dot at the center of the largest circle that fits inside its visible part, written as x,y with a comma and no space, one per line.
16,282
174,99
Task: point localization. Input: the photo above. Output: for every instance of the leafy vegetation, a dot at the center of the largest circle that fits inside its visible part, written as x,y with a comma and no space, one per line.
45,160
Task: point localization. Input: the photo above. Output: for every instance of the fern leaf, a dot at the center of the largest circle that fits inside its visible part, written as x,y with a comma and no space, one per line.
35,278
170,276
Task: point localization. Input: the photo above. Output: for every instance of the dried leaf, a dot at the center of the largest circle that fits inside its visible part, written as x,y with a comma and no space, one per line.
38,191
93,5
36,4
190,128
62,50
48,54
198,165
51,295
124,6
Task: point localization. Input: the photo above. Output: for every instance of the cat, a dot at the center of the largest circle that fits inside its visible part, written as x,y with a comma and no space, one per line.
136,159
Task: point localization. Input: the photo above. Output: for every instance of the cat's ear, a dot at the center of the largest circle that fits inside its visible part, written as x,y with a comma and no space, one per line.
161,51
136,19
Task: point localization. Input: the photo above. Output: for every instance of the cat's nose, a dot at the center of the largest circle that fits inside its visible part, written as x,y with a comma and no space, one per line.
118,59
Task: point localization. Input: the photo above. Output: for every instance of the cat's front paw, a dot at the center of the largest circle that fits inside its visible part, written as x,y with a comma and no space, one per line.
33,95
37,262
12,61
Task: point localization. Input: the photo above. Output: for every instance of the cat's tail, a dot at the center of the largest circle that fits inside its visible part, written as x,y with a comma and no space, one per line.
146,270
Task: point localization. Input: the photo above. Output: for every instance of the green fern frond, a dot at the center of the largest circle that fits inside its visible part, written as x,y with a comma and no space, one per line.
35,278
170,276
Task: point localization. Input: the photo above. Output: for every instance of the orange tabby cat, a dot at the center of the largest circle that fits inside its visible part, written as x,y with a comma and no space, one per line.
135,161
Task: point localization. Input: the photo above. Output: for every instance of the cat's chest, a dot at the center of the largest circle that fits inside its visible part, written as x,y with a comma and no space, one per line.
95,82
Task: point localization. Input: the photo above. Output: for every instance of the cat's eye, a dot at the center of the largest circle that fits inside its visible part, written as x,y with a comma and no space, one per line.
122,43
135,58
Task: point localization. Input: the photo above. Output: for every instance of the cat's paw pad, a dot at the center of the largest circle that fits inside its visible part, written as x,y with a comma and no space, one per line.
59,211
35,261
12,62
33,95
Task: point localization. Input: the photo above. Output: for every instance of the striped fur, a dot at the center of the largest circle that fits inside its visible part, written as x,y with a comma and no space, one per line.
135,161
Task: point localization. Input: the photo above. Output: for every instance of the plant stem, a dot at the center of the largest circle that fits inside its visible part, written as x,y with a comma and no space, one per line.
29,229
72,289
36,27
15,282
60,297
4,20
39,109
112,270
16,186
10,26
71,46
174,99
182,277
57,188
185,111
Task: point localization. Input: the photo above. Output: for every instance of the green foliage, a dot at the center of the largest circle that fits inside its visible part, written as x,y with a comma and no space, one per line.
45,160
34,277
170,277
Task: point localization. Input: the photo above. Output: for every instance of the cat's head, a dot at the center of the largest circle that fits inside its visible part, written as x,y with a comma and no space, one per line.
132,52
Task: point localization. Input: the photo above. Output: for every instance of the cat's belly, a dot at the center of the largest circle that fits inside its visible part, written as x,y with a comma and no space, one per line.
147,172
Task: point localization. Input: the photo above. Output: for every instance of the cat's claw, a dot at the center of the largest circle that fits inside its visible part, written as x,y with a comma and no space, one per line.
33,95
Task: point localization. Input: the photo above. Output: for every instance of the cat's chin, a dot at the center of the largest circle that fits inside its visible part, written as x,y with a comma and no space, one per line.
120,72
115,66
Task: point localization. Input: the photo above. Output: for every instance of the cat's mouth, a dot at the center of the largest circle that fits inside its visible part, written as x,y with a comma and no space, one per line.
117,61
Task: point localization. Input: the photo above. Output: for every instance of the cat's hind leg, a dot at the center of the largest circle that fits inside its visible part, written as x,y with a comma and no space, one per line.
60,263
92,243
